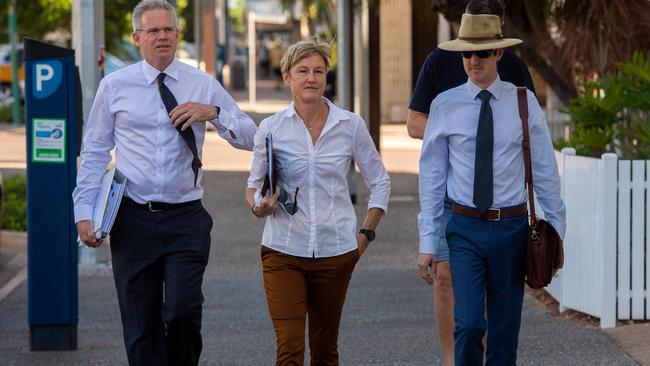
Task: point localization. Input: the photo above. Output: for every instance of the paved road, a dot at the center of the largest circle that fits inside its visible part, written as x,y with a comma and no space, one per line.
387,318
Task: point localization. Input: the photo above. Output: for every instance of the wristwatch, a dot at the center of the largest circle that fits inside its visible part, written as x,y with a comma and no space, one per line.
370,234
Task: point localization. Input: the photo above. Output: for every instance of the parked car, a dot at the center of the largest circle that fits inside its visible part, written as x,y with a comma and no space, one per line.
6,74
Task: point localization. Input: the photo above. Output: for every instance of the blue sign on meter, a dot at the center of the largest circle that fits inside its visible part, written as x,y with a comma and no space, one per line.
47,77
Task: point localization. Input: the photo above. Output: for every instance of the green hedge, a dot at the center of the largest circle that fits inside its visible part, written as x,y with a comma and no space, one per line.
612,113
6,114
14,203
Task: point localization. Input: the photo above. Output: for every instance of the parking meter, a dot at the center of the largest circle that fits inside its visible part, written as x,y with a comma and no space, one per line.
52,131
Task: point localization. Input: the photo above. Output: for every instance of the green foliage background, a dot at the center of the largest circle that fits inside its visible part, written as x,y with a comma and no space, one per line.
612,114
35,18
14,203
6,113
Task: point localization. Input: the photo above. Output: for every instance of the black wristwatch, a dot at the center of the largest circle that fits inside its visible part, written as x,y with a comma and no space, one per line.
370,234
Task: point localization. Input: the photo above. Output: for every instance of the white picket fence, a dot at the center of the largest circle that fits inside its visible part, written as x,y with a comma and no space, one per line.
607,244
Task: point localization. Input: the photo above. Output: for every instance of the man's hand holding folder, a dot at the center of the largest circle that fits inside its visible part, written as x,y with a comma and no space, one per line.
87,234
112,186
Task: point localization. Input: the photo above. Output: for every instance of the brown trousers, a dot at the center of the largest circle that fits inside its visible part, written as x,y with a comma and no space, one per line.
297,287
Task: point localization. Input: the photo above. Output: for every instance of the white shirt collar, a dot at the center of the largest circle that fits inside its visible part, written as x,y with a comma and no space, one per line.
495,88
334,116
151,73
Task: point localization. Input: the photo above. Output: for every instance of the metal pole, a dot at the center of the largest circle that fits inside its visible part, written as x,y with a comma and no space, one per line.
15,89
198,33
87,36
86,48
360,63
220,30
344,76
374,75
252,82
343,50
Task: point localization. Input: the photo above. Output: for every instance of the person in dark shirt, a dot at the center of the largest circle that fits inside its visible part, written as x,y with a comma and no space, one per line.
443,70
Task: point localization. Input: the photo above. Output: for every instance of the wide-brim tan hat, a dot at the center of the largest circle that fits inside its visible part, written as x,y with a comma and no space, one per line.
479,32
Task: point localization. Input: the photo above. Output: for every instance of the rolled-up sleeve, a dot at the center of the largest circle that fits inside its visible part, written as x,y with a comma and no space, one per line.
371,167
434,158
98,141
233,125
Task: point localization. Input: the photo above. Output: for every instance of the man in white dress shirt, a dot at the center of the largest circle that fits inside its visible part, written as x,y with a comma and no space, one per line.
472,150
153,113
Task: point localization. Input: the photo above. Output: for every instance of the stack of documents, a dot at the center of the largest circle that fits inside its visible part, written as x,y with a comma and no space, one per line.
270,178
117,187
107,202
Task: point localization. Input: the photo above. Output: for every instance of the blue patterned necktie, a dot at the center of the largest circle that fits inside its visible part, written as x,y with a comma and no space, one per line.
187,135
483,175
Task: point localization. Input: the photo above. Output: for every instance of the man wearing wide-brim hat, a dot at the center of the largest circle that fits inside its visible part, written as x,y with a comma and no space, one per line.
472,150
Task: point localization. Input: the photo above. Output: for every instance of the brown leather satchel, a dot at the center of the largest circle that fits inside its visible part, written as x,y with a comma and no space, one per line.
544,251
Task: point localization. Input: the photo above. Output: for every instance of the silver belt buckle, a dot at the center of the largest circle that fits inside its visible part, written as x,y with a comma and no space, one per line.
151,208
498,210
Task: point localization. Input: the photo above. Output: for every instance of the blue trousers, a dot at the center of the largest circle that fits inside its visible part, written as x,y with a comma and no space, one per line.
488,260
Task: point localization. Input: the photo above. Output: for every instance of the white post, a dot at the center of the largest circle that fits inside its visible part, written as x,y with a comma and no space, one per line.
558,282
84,41
252,63
608,228
343,55
567,151
87,38
343,79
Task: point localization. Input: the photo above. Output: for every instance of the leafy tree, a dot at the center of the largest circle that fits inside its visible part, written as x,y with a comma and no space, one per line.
117,22
323,12
35,18
185,9
612,114
569,42
236,15
316,12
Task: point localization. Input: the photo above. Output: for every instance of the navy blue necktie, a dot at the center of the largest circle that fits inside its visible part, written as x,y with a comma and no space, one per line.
483,175
187,135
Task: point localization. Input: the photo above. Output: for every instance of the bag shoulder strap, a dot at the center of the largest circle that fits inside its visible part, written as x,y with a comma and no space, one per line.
522,99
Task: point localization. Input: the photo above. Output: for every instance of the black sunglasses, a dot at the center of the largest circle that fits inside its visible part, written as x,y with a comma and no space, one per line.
290,207
480,54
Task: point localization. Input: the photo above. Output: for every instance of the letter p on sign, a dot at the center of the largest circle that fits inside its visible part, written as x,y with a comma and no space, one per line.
46,78
44,72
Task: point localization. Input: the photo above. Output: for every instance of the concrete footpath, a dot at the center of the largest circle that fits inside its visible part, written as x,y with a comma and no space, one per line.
387,320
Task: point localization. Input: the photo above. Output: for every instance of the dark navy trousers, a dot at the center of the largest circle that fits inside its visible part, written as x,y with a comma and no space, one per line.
158,263
488,260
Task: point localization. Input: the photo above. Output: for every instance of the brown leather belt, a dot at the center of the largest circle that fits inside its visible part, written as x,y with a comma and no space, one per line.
493,214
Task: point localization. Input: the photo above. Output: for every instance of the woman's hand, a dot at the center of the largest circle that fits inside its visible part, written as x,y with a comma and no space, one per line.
267,205
362,243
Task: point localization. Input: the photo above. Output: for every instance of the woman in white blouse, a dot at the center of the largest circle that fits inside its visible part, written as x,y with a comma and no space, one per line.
311,242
